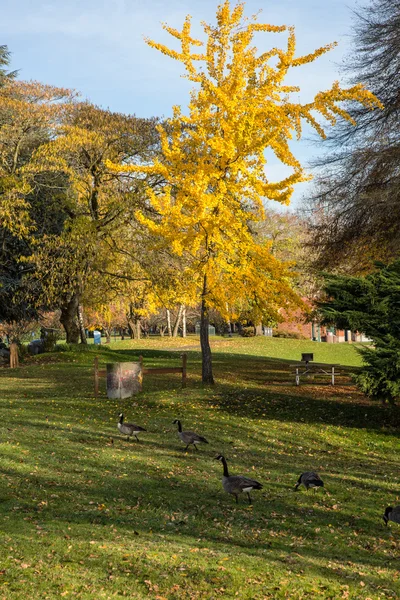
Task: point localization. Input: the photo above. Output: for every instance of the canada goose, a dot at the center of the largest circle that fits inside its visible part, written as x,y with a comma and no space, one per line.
392,514
310,480
236,484
129,429
189,437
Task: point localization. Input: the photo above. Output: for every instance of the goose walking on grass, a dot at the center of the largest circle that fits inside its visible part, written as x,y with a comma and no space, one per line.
189,437
129,429
310,480
237,484
392,514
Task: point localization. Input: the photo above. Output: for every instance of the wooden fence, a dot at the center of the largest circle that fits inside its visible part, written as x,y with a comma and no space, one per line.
145,371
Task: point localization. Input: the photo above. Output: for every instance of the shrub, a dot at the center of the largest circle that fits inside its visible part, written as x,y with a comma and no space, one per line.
82,347
22,351
380,378
247,332
49,341
294,335
63,347
73,347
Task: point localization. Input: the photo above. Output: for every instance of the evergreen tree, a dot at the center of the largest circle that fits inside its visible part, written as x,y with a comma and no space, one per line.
370,305
5,56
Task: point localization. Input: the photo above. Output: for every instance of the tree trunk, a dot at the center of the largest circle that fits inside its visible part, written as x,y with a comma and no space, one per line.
122,333
138,329
177,322
69,321
228,323
82,331
169,323
130,318
206,366
107,331
184,322
229,328
131,328
258,329
14,361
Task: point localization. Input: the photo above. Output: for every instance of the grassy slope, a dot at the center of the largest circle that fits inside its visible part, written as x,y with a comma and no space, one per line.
285,349
86,519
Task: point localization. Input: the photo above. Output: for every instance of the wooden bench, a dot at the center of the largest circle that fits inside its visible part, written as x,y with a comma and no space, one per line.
304,368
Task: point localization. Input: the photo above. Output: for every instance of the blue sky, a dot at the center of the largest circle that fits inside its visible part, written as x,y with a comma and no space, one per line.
97,47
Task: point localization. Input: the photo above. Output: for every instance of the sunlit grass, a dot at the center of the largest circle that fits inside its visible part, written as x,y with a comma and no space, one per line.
84,517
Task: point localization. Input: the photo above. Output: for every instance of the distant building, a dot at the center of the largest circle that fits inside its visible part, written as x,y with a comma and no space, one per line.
296,323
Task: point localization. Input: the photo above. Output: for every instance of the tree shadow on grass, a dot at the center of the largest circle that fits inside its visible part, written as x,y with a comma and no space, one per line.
333,405
138,496
287,532
329,411
245,388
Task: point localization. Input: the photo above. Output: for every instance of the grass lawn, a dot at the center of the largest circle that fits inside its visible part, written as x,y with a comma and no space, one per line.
83,517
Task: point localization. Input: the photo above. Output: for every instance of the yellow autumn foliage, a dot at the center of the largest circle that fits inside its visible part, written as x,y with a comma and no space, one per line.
29,113
214,162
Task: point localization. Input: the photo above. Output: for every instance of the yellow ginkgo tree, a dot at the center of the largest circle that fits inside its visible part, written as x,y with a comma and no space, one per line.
213,156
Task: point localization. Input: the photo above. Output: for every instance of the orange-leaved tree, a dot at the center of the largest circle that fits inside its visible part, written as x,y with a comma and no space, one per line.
29,116
100,201
213,157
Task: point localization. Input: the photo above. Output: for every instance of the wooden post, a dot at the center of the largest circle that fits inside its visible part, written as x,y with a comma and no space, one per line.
141,368
184,363
333,375
297,376
96,376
